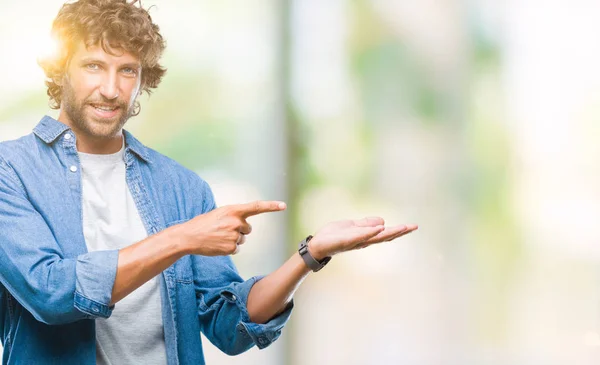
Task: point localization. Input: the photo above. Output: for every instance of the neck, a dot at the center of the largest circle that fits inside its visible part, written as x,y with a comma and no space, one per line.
99,145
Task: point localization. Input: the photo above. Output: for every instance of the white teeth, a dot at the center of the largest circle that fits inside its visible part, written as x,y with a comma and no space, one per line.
105,109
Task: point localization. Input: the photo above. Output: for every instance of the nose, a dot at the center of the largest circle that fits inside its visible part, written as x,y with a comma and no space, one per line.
109,88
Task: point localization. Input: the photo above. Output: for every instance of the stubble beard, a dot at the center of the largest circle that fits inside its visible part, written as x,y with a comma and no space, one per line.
81,116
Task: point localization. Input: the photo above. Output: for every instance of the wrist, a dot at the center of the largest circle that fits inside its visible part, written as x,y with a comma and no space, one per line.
313,263
177,237
313,249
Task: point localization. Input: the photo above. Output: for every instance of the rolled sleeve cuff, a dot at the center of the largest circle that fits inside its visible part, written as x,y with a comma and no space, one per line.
262,335
96,272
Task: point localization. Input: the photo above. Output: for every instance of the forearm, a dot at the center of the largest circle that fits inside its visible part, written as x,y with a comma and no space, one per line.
144,260
269,296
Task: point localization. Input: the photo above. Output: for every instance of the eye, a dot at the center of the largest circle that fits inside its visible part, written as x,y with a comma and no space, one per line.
130,71
92,66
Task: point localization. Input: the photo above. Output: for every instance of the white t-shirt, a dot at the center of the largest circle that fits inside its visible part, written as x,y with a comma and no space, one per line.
134,332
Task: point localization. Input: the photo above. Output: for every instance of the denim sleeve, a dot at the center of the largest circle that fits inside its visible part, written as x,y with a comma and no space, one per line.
54,289
222,297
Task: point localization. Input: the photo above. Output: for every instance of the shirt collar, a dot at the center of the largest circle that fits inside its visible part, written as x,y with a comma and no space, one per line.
135,146
49,129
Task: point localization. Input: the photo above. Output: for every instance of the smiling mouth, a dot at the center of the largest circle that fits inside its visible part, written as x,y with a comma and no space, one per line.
105,108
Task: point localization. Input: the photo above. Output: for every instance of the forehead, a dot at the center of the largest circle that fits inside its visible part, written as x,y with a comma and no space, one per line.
96,52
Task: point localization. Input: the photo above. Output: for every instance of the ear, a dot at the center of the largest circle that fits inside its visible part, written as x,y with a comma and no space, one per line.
59,80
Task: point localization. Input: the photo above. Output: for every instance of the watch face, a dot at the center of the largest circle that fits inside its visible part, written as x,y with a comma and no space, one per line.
304,242
303,245
303,249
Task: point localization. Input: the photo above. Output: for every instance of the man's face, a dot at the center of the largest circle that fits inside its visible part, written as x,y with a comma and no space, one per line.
99,90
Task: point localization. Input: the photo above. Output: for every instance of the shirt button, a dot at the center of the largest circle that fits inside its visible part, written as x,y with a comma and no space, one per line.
67,136
73,168
233,297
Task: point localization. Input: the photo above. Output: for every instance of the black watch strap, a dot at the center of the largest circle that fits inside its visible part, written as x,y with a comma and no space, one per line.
312,263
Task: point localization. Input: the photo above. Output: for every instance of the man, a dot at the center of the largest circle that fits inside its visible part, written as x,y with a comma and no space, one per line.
114,254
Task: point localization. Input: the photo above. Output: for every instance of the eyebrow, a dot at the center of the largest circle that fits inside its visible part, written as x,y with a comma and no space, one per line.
134,65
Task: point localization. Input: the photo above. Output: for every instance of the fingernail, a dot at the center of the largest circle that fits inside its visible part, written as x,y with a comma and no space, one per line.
282,205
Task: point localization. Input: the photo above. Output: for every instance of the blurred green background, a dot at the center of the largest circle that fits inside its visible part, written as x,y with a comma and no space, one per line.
478,120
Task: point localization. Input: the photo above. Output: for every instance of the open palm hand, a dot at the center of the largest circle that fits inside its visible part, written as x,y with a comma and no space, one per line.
346,235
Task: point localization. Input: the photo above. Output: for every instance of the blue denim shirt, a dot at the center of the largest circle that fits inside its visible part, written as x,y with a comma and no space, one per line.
52,289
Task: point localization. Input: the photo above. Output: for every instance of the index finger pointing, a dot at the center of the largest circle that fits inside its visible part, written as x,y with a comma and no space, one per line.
258,207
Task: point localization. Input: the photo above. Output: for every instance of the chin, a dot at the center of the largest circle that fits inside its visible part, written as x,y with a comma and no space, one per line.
99,127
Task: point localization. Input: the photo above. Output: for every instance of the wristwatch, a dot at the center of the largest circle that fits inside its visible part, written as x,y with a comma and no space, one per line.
312,263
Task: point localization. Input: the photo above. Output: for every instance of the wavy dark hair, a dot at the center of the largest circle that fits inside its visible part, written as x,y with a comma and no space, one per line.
112,24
